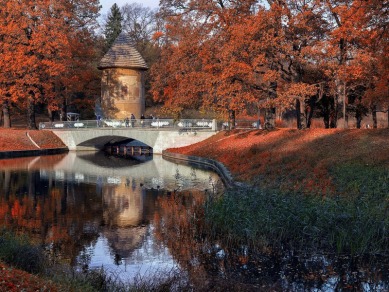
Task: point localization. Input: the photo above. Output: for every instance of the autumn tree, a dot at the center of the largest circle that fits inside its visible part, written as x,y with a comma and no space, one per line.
312,57
36,48
196,72
33,50
375,75
78,87
228,55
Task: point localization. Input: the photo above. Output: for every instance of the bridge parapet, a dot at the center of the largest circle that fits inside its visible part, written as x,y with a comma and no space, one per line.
159,134
159,137
168,124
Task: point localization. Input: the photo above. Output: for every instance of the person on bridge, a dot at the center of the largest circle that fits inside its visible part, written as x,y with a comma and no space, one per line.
127,122
132,120
142,120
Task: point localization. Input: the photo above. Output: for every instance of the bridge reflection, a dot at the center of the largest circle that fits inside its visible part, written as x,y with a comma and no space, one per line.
97,167
97,209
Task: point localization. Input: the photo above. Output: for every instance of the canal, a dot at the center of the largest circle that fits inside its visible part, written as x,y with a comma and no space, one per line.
140,220
92,210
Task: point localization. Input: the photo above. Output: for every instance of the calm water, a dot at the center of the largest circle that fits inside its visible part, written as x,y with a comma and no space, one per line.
94,210
131,217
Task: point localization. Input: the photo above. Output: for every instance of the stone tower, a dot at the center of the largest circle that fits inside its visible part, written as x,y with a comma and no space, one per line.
122,81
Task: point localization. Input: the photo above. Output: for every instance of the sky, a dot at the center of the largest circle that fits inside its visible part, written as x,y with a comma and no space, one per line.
107,4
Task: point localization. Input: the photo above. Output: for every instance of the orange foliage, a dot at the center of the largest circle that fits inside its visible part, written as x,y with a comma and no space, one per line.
44,50
241,56
15,280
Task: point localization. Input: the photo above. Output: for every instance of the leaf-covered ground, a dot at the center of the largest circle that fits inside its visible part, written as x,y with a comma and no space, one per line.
294,159
15,280
18,139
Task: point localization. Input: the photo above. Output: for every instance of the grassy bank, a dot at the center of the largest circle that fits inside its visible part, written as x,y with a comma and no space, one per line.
290,160
314,189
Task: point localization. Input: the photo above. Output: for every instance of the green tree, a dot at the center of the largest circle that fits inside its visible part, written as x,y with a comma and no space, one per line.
113,26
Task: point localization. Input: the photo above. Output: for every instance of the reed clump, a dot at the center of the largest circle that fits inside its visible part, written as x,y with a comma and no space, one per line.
354,219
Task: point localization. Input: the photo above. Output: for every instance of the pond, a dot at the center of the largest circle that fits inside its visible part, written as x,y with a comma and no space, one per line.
139,219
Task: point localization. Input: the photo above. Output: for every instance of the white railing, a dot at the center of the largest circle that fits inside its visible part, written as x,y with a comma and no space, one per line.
184,124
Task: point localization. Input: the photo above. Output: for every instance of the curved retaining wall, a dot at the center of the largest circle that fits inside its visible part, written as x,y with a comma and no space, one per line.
37,152
211,164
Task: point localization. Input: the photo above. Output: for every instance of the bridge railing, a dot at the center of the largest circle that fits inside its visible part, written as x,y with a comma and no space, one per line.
240,124
183,124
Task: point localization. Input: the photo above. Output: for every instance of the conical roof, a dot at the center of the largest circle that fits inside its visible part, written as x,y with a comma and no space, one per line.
122,54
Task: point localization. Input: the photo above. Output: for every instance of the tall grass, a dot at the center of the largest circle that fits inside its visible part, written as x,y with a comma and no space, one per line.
354,221
19,252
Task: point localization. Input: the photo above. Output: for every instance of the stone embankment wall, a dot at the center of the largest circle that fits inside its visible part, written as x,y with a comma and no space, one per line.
211,164
25,153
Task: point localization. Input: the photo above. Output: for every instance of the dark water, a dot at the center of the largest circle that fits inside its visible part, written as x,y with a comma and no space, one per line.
141,219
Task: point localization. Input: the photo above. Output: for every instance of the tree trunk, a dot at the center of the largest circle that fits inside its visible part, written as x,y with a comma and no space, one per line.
388,117
31,124
6,115
345,102
358,116
63,110
374,114
270,121
301,116
333,113
326,119
311,109
298,113
231,119
51,115
326,111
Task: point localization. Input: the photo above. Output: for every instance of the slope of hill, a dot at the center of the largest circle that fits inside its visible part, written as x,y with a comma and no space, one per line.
314,160
22,139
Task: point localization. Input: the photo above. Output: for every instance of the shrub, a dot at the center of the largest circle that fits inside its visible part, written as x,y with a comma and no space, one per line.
18,252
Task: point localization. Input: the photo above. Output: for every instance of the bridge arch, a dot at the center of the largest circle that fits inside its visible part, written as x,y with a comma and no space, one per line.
100,142
159,140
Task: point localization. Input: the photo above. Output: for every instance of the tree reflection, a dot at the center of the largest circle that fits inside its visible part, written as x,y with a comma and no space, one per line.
217,262
68,217
52,213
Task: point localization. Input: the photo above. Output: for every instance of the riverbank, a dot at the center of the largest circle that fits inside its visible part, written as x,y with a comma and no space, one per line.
22,142
315,189
25,140
288,159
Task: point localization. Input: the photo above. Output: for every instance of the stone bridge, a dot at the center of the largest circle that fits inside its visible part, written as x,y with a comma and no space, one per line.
83,135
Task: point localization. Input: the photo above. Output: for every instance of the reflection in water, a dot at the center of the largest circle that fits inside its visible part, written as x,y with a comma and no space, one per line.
214,263
91,210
